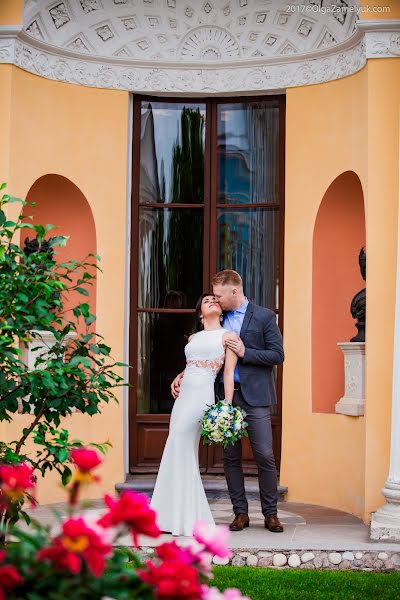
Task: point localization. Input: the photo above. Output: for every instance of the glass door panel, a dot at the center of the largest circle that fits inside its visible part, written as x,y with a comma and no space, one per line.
248,152
248,242
165,265
207,194
162,338
172,152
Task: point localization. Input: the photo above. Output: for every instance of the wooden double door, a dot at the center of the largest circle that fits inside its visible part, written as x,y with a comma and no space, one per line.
207,194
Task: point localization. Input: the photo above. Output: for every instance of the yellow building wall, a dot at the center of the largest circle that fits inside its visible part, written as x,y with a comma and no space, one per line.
11,12
382,215
349,124
326,135
372,10
80,133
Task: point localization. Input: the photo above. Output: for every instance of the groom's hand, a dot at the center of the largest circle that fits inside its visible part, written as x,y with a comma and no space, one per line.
236,345
175,385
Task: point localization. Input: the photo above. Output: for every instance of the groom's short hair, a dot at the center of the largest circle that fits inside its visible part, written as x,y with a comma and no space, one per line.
227,277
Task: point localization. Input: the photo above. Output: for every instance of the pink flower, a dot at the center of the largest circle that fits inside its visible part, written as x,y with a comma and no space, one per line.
214,538
212,593
133,510
234,594
205,563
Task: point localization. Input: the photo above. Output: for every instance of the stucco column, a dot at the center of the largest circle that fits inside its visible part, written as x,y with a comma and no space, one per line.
385,522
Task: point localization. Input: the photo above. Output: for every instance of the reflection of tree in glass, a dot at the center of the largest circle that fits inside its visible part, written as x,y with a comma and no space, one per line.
167,356
184,243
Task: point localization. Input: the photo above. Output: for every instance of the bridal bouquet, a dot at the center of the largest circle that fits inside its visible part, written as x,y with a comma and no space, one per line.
223,424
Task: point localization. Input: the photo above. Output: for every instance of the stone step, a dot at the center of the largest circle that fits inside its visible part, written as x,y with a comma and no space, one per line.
215,486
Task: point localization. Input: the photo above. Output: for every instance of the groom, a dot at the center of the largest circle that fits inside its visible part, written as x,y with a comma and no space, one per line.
258,345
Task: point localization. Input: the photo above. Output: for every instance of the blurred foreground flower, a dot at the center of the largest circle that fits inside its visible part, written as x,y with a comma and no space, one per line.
77,543
133,510
213,537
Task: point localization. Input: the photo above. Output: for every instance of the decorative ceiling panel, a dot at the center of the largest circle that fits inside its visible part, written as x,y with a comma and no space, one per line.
191,30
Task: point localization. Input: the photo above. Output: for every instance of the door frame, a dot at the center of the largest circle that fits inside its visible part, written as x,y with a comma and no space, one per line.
209,250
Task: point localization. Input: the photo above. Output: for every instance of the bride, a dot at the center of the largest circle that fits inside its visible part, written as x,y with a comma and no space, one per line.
179,497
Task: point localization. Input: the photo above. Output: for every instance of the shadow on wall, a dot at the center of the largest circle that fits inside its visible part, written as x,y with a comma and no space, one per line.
61,203
339,234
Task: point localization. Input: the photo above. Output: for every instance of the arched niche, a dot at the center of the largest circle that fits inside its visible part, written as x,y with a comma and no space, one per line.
61,203
339,234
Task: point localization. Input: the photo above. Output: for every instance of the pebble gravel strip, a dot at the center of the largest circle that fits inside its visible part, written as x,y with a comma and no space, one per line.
309,559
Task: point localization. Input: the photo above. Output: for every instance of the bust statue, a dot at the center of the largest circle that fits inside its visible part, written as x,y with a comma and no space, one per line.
31,246
358,304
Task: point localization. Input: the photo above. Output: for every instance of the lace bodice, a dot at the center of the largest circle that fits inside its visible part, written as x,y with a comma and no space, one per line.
206,352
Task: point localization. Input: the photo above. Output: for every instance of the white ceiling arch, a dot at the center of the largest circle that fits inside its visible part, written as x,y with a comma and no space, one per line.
221,29
195,47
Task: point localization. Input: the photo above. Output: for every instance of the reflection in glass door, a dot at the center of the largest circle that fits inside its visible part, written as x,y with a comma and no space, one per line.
207,194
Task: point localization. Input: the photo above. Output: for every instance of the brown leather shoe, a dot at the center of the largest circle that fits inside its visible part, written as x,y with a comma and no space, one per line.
240,522
273,523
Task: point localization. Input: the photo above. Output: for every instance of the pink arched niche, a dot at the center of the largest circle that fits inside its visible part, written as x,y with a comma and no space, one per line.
61,203
339,234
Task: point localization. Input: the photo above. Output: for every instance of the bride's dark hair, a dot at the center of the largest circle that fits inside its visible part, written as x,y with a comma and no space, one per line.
198,310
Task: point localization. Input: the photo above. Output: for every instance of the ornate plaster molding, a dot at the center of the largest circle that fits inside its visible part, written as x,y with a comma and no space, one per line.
372,40
382,38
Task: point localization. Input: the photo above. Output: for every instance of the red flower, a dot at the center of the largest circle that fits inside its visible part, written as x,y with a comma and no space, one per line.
85,459
76,542
170,551
133,510
9,577
172,579
15,480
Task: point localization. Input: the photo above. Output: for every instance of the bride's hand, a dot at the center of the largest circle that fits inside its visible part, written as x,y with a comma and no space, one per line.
229,336
175,385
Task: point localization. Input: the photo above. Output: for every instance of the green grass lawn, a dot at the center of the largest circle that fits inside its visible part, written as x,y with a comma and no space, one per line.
308,584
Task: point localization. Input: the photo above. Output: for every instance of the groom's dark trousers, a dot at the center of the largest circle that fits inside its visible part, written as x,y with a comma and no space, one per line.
256,394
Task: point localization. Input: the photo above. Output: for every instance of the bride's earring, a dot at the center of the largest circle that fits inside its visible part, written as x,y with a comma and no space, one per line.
221,318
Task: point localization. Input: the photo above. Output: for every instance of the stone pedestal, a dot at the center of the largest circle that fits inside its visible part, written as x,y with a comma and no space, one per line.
353,401
44,341
385,522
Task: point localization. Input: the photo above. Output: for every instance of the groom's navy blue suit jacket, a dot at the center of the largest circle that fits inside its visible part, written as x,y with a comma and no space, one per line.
263,349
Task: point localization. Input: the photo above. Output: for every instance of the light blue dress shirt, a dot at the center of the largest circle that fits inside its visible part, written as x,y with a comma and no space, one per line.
233,321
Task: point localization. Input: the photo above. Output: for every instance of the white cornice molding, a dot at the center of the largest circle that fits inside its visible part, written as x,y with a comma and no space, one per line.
382,38
373,39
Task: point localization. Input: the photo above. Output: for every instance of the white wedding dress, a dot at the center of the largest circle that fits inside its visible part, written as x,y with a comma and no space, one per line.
179,497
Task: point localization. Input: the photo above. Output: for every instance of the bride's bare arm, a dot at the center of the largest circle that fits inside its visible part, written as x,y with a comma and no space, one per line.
229,369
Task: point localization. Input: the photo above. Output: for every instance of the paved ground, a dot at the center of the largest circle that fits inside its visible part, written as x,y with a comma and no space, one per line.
306,526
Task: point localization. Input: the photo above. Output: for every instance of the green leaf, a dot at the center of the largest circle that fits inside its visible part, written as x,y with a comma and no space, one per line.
40,230
11,200
82,291
2,253
63,455
66,476
59,240
85,309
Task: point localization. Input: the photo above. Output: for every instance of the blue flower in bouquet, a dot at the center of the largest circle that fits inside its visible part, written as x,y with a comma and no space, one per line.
223,424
